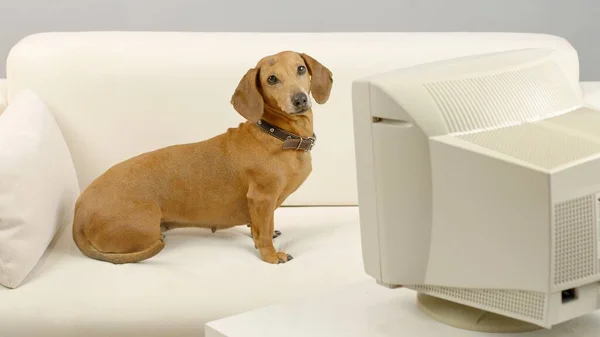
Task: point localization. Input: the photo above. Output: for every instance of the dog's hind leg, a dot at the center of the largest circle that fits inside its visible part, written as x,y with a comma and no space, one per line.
131,238
276,233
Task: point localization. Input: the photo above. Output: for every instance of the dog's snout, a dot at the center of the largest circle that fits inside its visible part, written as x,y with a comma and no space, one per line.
300,100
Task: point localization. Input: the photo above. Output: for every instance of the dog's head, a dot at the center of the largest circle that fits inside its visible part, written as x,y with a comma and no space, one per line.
282,83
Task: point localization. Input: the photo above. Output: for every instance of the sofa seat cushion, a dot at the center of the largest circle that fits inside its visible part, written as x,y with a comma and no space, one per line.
198,277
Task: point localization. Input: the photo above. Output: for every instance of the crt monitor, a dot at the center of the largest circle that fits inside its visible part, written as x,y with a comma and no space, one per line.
479,187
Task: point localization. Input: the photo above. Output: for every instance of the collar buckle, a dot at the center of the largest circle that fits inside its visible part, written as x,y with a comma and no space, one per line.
311,143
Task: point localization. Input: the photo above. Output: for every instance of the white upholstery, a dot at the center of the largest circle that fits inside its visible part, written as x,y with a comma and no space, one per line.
3,95
591,93
117,94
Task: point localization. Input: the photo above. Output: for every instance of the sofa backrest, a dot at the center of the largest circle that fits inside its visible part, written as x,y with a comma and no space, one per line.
117,94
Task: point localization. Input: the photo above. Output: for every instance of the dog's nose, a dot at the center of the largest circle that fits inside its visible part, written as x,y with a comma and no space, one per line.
300,100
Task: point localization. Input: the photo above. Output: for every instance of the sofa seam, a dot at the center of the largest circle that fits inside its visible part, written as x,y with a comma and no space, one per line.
5,273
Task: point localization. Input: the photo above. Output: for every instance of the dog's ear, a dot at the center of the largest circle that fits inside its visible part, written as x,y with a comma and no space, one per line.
321,79
247,99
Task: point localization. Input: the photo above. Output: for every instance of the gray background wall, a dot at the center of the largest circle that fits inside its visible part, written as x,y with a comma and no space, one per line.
576,20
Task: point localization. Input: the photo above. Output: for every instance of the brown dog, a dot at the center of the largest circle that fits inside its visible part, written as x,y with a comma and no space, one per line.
236,178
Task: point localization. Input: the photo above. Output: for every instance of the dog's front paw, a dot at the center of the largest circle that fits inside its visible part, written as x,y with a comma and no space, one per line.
277,258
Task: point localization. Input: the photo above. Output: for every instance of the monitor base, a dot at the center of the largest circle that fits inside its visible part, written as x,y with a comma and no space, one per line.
468,318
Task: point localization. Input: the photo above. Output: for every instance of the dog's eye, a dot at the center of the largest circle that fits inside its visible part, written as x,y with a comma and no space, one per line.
301,70
272,79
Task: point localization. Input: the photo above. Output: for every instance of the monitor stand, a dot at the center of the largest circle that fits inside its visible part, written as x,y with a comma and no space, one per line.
468,318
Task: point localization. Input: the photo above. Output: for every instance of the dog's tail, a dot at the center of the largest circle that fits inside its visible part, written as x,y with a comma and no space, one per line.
86,247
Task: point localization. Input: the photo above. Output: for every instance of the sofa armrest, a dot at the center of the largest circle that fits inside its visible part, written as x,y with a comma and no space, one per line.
591,93
3,95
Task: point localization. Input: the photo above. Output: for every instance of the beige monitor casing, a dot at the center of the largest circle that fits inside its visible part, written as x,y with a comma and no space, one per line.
479,183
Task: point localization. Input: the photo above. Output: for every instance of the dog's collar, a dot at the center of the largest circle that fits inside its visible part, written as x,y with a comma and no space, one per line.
290,140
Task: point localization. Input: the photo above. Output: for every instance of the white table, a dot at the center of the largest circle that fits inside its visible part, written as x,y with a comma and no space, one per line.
360,310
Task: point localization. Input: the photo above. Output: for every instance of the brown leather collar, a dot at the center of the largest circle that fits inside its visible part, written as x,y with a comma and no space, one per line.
290,140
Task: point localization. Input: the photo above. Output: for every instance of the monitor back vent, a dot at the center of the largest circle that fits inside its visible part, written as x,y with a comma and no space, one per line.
502,99
515,303
534,143
575,241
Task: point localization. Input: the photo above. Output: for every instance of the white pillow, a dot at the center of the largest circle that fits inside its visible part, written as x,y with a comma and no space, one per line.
38,186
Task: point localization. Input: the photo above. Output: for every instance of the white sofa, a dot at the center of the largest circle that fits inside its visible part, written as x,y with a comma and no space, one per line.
116,94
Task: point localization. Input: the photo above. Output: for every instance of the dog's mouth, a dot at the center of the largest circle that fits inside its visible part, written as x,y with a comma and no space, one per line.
300,111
